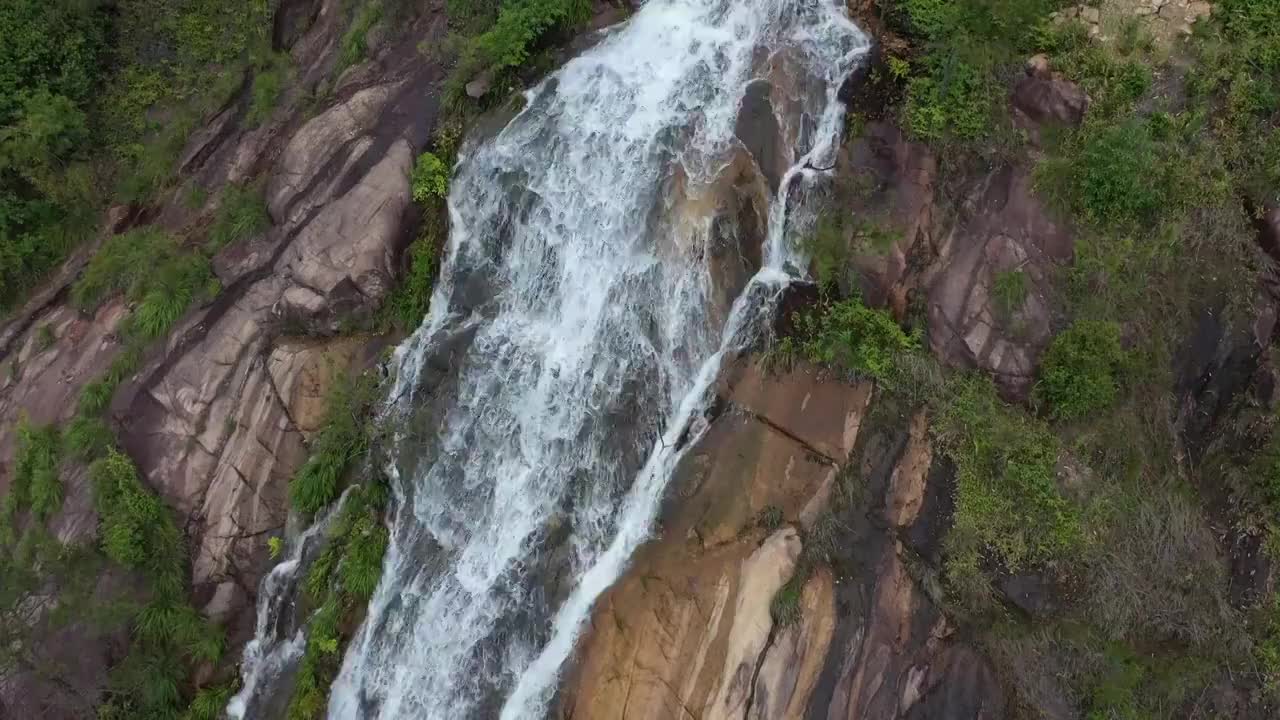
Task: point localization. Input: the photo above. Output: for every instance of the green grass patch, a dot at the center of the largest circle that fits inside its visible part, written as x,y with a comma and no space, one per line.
1009,291
339,585
1010,512
35,485
269,80
343,438
169,636
153,271
241,215
355,41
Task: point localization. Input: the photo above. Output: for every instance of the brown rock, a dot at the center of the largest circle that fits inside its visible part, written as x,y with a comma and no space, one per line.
792,665
1008,230
907,482
799,403
763,574
902,661
679,636
892,184
1049,98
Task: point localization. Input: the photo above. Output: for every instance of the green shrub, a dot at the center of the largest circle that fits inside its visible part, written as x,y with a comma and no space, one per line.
362,567
136,530
430,178
1008,506
339,583
960,79
1080,371
87,438
35,484
850,335
507,45
1116,178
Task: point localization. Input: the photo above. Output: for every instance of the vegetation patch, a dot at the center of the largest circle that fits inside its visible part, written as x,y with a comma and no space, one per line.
430,178
338,587
35,484
849,335
1009,509
959,80
1080,372
343,437
169,636
242,214
505,46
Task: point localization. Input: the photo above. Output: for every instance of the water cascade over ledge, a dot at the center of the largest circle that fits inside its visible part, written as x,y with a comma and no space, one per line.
601,264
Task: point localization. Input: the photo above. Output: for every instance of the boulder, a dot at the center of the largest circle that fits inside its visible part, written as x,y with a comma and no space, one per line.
1045,97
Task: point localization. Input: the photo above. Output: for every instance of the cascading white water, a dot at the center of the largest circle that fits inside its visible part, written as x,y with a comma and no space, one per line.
274,646
577,322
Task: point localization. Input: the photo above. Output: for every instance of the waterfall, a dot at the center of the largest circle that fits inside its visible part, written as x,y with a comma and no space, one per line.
574,341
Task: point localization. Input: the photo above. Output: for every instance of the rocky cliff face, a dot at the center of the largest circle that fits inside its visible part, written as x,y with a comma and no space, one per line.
691,632
219,415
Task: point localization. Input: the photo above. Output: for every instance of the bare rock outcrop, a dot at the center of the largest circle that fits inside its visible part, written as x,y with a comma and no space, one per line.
990,302
688,631
682,632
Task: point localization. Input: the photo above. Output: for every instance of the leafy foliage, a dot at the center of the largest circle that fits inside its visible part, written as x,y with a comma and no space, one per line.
138,532
49,65
850,335
1079,373
507,45
339,583
430,178
959,78
35,484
